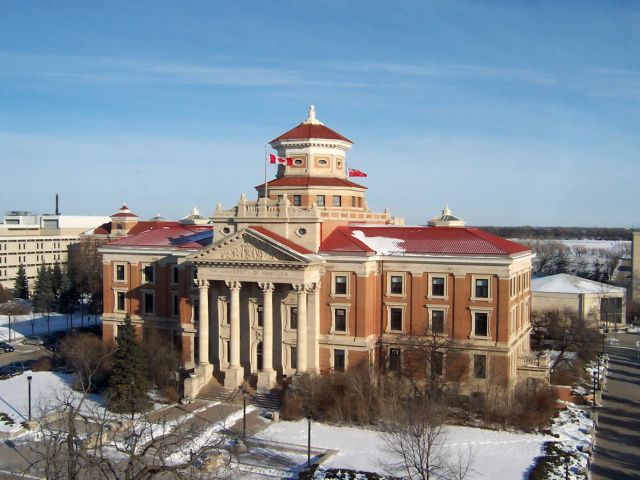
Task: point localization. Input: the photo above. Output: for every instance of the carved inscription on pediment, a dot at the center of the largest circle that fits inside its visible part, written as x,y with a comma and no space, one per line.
246,251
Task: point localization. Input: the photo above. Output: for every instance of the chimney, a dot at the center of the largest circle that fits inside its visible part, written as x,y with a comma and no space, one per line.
57,209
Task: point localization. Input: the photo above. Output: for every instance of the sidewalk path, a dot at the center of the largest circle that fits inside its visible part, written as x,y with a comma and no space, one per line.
617,452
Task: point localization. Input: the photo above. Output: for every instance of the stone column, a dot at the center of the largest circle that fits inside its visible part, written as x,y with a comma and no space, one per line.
267,376
203,327
313,328
234,375
301,338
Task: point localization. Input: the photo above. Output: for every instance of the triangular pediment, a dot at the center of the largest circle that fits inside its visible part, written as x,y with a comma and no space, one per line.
248,246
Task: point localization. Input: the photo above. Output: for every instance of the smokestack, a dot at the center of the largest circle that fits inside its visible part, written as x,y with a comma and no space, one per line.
57,209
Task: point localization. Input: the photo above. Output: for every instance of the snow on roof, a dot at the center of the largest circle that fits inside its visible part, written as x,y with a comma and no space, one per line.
381,245
565,283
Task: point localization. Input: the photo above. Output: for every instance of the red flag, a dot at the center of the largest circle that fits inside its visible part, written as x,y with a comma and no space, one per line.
356,173
283,161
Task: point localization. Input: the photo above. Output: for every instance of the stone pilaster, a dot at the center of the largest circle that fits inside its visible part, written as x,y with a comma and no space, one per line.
301,338
313,328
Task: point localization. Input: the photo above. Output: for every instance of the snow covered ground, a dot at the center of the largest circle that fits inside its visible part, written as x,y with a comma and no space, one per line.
362,449
25,325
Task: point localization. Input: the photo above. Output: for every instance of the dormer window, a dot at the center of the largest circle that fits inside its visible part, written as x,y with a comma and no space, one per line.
119,226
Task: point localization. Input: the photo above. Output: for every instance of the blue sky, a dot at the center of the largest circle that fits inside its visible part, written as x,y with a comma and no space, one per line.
513,113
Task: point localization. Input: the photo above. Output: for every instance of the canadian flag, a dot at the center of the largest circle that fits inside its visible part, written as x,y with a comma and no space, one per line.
283,161
356,173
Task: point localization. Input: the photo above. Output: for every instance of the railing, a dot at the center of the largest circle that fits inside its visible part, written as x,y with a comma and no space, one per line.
535,360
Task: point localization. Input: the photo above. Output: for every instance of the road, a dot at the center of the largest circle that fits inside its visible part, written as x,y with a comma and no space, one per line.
617,452
22,353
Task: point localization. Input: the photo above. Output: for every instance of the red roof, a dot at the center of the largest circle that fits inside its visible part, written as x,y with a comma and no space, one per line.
280,239
124,214
418,241
311,130
166,234
310,182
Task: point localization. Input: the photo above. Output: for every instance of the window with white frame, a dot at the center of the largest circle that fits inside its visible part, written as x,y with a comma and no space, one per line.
337,201
121,301
320,200
395,318
120,272
480,324
293,353
340,320
148,274
340,284
481,287
437,321
148,303
438,286
396,284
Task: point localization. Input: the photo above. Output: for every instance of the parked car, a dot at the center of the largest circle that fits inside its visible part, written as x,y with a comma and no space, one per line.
6,347
34,340
15,368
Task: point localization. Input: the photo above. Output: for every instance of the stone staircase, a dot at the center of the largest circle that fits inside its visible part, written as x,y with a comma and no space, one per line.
213,391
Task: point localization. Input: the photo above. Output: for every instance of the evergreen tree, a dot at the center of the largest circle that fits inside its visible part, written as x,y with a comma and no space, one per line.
68,294
128,381
56,281
43,294
5,296
22,284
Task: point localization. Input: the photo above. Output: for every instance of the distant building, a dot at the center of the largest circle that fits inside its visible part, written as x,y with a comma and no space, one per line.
635,267
306,278
595,301
33,240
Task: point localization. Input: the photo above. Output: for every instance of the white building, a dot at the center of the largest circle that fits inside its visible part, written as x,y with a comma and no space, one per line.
31,240
597,301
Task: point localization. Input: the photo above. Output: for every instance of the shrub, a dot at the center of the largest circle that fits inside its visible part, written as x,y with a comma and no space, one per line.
43,364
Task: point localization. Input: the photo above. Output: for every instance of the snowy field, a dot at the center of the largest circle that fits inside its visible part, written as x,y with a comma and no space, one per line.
362,449
25,325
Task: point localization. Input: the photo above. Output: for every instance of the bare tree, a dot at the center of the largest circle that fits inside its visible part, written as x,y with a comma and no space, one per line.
416,442
76,437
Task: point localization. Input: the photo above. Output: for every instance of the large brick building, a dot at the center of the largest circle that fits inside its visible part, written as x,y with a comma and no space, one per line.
305,278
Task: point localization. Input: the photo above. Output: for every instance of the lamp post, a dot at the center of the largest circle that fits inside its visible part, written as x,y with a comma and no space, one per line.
594,394
29,378
308,440
244,413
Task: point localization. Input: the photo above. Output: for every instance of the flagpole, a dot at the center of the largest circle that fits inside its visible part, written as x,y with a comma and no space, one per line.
266,186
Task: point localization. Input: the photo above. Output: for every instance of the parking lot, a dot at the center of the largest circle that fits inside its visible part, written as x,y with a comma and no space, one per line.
23,353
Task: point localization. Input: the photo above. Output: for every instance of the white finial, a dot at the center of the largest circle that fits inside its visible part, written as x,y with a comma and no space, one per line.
312,116
446,210
195,211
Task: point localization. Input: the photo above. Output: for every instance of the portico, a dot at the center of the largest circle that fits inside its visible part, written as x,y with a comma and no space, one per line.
249,288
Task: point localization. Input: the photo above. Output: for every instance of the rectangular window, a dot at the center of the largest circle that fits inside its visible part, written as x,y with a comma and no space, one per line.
148,302
120,273
174,274
436,363
175,310
340,320
340,285
437,321
337,201
395,319
148,273
359,201
353,201
437,286
196,309
339,360
480,366
320,200
481,324
260,315
293,318
294,358
395,286
120,301
297,200
482,288
395,360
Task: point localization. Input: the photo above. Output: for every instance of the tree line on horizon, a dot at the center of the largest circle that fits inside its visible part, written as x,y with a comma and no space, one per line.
561,233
